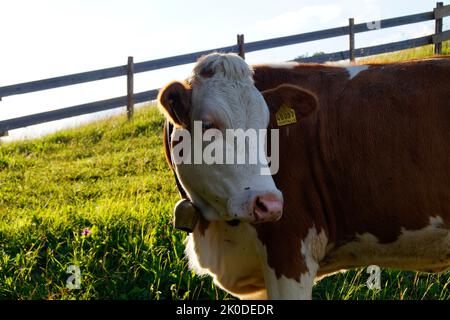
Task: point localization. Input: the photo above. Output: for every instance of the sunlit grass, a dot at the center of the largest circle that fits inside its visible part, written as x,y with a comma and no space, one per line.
110,177
404,55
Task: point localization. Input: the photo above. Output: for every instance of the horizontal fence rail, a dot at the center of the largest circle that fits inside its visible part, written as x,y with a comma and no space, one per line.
337,32
103,74
241,48
78,110
370,51
63,81
192,57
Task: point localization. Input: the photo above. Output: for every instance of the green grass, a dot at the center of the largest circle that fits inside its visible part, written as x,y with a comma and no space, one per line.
111,177
415,53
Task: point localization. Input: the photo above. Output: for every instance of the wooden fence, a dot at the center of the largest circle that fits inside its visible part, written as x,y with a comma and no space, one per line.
131,68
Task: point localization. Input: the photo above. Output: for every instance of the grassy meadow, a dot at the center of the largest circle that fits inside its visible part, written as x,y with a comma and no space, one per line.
101,197
403,55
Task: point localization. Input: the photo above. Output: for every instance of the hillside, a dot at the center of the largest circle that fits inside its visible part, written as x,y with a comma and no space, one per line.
101,197
111,178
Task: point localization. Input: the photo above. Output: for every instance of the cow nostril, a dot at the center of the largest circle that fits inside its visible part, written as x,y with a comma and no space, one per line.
247,188
260,205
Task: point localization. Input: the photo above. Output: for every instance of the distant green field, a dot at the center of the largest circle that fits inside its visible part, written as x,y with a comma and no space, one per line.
111,177
415,53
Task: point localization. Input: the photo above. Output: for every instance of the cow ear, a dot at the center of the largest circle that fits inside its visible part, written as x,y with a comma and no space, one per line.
174,100
302,101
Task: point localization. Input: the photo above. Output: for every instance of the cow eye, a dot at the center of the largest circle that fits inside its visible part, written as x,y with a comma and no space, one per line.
206,125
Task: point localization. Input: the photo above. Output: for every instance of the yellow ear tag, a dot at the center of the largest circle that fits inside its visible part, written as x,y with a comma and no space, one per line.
285,115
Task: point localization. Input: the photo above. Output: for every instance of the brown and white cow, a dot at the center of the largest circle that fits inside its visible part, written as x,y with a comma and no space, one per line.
364,171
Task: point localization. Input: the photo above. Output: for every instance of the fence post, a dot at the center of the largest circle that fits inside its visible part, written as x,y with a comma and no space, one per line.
3,134
351,33
130,89
240,44
437,30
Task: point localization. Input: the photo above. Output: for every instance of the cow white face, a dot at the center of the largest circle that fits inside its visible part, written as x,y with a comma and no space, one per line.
220,98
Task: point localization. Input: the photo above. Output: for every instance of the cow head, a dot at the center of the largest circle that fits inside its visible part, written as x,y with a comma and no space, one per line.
219,97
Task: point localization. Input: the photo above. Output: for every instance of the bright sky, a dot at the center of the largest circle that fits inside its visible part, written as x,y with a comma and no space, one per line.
47,38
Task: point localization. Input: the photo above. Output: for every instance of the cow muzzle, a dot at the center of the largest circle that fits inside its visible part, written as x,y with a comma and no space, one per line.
256,207
252,207
267,207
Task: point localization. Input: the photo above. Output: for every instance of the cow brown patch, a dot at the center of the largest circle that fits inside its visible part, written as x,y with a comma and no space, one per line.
373,159
283,239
